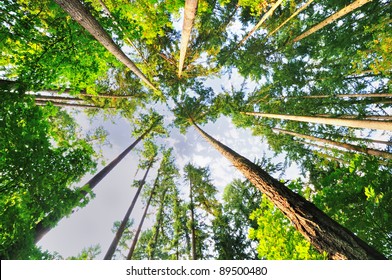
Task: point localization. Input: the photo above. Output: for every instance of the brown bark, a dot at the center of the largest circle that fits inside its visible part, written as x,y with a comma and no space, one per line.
158,224
325,234
120,231
41,230
371,124
346,146
356,4
262,20
80,14
189,17
291,17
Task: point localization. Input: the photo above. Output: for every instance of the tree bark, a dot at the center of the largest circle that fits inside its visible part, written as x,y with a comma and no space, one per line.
373,117
325,234
291,17
332,18
112,248
41,230
346,146
189,17
80,14
41,102
354,95
193,229
262,20
371,124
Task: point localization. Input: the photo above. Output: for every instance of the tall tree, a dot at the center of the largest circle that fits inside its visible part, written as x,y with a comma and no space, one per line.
382,125
79,13
325,234
189,17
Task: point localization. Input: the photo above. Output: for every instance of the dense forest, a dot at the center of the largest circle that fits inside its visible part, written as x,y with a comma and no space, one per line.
315,87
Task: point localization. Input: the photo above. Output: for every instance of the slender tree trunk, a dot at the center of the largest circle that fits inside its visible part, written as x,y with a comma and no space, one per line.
262,20
139,229
291,17
83,93
120,231
41,102
189,17
354,95
374,117
55,98
332,18
154,240
371,124
346,146
193,226
325,234
80,14
41,230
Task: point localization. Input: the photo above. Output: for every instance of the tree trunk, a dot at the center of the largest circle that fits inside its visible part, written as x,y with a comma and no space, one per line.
55,98
83,93
139,229
354,95
154,240
318,228
262,20
332,18
41,230
120,231
381,125
189,17
374,117
80,14
40,102
346,146
193,226
291,17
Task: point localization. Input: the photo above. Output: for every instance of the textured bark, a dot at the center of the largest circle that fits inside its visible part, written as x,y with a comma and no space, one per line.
325,234
189,17
262,20
332,18
112,248
41,230
139,228
80,14
371,124
291,17
374,117
346,146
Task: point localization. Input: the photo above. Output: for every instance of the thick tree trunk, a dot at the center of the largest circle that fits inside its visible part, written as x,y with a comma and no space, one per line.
80,14
262,20
139,229
371,124
112,248
318,228
41,230
189,17
346,146
332,18
291,17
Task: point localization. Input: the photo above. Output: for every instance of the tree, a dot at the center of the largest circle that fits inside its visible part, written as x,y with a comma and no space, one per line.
189,16
382,125
323,232
356,4
79,13
41,229
151,153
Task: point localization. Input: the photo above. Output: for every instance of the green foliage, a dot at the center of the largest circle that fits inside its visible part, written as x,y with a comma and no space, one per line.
277,238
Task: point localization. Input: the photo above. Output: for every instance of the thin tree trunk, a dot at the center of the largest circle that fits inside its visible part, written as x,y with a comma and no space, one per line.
332,18
41,230
56,98
120,231
80,14
325,234
189,17
158,225
40,102
83,93
193,229
354,95
371,124
291,17
139,229
373,117
346,146
262,20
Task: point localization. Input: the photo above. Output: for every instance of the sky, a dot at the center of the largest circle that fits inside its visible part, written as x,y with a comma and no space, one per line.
92,224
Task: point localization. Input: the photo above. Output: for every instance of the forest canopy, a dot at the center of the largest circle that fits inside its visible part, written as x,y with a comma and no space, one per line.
310,79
